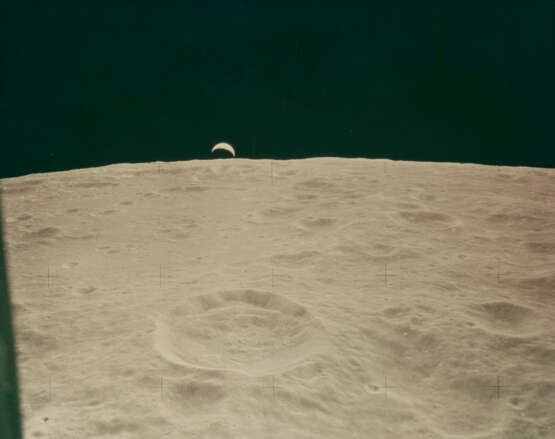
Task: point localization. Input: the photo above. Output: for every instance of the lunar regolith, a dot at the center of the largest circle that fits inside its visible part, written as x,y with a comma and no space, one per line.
317,298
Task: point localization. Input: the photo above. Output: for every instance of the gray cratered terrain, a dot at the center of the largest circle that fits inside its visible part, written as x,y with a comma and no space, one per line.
316,298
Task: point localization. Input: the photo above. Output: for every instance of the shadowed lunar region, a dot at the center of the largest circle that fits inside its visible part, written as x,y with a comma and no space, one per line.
307,298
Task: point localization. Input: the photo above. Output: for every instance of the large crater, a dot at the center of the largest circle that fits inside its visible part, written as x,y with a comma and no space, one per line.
248,331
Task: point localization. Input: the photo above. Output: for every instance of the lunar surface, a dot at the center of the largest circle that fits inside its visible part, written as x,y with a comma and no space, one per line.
315,298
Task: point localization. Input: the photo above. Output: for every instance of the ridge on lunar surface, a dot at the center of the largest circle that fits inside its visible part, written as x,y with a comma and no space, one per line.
326,297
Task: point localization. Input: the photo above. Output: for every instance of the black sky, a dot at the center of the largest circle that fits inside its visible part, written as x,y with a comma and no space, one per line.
91,84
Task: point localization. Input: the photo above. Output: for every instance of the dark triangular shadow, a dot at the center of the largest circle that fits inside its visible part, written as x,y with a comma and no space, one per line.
10,419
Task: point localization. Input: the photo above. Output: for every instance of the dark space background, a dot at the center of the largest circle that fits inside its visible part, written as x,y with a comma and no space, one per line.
88,83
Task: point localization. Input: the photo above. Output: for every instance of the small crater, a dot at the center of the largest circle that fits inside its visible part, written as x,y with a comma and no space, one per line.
46,232
188,395
516,402
537,353
516,219
114,425
187,189
197,188
504,177
279,212
396,311
506,317
87,290
34,342
505,312
80,238
540,282
32,182
547,248
21,187
305,197
427,197
298,259
372,388
93,184
317,223
18,308
427,342
15,190
425,218
174,171
318,183
353,195
408,206
383,248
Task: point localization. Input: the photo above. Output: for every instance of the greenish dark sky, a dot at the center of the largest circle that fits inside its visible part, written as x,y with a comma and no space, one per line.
440,81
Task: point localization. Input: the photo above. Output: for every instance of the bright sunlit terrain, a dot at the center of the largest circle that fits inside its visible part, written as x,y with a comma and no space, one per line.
316,298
